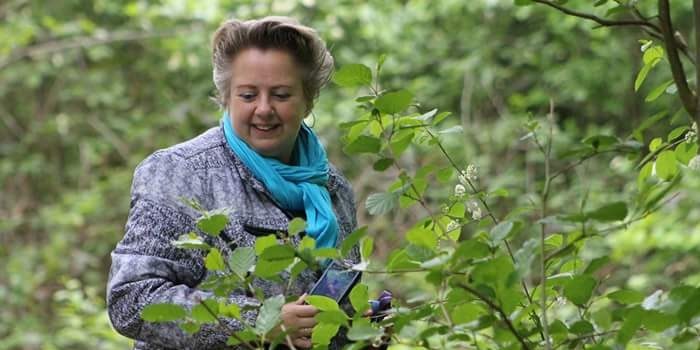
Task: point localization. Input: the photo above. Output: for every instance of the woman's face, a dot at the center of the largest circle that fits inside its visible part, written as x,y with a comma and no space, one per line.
267,101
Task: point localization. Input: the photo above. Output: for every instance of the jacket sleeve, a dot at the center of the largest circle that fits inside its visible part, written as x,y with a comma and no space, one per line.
147,268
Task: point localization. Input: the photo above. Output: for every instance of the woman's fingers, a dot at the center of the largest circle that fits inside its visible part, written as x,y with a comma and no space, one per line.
303,343
305,322
304,310
305,332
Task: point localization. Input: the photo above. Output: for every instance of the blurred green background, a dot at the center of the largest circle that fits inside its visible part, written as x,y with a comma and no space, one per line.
89,88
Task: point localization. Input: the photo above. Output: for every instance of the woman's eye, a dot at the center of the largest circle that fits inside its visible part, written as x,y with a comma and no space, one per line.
283,96
247,96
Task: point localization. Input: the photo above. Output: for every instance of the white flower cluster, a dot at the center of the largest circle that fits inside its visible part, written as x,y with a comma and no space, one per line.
474,209
470,174
460,191
692,133
453,225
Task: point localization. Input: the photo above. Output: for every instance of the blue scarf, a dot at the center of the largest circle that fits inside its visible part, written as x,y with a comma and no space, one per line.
294,187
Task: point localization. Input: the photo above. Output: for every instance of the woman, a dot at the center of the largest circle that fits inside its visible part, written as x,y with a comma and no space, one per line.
262,163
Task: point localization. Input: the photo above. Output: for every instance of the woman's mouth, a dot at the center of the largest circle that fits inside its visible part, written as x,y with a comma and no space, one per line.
265,127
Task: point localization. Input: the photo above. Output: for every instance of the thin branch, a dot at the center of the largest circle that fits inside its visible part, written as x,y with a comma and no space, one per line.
688,98
696,11
226,326
586,336
543,226
499,310
59,45
599,20
649,157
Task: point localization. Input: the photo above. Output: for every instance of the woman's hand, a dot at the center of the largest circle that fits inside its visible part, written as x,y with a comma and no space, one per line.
298,321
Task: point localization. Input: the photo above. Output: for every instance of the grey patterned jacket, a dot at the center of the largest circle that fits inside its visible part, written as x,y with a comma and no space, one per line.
147,268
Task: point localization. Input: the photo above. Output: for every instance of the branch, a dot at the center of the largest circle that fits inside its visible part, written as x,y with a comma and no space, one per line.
688,98
226,326
696,11
89,41
602,21
499,310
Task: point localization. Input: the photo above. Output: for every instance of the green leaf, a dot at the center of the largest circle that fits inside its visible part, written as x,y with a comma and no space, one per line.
523,2
501,231
421,236
579,289
332,316
401,141
351,240
465,313
323,333
658,91
691,307
190,241
394,102
642,75
359,297
212,224
190,327
163,313
362,330
381,203
666,166
626,296
246,335
242,260
383,164
658,321
278,252
269,314
322,303
471,249
655,144
351,75
685,152
609,212
202,315
581,327
363,144
367,248
296,226
214,261
676,133
633,320
230,310
262,243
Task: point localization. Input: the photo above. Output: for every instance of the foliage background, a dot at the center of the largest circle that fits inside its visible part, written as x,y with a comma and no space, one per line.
88,88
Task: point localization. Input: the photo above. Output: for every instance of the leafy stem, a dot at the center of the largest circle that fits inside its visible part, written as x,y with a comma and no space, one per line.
495,307
226,326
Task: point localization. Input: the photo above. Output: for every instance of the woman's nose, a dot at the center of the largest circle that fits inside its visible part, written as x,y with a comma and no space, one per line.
264,107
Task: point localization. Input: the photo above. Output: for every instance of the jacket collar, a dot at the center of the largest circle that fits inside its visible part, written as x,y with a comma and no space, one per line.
247,176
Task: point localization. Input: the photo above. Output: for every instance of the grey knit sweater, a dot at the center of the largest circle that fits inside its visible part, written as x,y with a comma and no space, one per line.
147,268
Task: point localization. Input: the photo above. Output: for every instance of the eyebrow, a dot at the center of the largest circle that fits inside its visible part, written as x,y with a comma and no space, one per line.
250,86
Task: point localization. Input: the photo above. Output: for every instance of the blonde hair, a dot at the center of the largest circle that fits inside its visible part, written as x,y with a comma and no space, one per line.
274,32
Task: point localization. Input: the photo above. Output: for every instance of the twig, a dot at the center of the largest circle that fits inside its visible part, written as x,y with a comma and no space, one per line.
586,336
543,227
489,213
226,326
599,20
499,310
677,141
696,11
687,97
